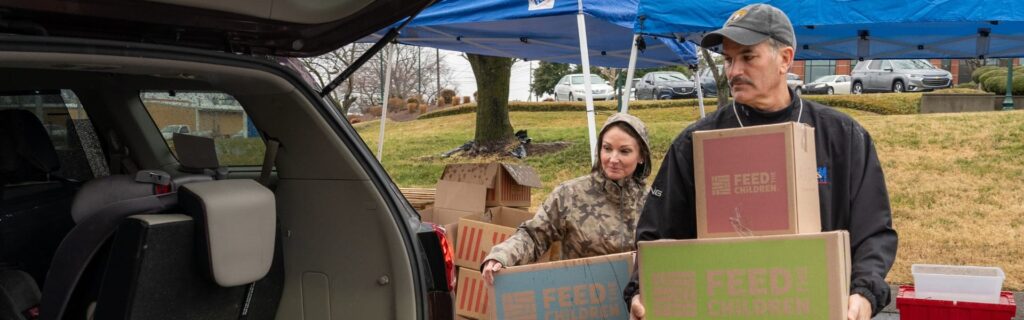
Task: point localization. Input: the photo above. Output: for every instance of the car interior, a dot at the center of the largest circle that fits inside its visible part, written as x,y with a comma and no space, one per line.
105,219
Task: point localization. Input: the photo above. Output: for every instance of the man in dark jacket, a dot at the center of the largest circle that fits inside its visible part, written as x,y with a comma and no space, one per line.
758,44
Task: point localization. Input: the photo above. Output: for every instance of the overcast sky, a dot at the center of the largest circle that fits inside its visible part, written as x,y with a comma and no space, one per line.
462,76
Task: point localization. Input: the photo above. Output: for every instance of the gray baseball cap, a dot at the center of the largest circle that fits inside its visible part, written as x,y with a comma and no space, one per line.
752,25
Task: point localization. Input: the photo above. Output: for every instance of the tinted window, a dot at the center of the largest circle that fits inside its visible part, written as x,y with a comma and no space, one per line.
875,65
215,115
74,139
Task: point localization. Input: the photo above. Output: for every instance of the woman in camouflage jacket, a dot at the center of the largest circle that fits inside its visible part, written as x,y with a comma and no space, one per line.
591,215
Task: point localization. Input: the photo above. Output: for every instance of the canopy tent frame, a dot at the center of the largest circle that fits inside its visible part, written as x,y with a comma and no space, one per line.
435,35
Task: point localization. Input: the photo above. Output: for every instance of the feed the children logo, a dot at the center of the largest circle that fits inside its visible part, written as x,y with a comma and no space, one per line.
744,183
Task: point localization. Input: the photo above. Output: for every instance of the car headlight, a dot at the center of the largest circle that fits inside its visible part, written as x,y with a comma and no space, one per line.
916,76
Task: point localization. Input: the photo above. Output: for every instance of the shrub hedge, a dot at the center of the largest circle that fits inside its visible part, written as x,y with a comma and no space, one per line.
997,85
882,103
979,71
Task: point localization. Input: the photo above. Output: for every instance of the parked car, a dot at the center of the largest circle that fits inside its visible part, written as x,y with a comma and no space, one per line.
794,82
664,85
571,88
169,130
831,84
341,243
898,76
707,82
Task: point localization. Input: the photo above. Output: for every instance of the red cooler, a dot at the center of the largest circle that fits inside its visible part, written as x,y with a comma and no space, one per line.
912,308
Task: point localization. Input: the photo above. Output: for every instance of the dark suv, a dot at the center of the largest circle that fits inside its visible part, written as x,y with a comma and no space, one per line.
342,243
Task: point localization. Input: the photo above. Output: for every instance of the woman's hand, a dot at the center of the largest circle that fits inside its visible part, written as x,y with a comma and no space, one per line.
490,267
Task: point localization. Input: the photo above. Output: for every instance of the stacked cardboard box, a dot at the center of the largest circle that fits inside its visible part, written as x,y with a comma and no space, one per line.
480,205
759,252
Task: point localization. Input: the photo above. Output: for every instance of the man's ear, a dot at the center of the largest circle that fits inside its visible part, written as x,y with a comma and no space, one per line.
786,55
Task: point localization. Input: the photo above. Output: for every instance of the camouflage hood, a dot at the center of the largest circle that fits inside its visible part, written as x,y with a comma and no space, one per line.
643,170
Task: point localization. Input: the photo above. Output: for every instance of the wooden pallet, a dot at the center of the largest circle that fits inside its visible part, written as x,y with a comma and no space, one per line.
419,198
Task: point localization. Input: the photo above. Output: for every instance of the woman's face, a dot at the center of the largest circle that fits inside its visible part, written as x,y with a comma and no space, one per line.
620,154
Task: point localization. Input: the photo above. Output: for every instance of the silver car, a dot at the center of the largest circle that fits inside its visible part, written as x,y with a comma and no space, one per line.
898,76
571,88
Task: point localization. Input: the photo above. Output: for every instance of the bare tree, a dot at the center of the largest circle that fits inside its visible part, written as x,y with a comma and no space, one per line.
416,69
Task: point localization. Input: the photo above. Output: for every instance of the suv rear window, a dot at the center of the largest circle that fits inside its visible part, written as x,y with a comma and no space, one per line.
214,115
72,134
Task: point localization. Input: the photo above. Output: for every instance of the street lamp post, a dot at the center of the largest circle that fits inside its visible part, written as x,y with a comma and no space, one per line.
1008,100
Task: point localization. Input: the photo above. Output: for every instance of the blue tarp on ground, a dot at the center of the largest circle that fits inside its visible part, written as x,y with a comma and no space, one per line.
539,30
870,29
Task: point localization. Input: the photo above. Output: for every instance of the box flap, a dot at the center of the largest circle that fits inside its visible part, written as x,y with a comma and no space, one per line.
505,216
523,174
476,173
460,196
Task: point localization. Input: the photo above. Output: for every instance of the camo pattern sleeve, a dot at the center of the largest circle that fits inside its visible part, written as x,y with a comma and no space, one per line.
590,215
534,236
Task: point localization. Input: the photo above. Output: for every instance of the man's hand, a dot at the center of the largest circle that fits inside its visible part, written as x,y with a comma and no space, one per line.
490,267
636,309
860,308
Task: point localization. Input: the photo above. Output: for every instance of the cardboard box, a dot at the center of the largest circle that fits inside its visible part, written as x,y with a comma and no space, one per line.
454,199
759,180
804,276
472,296
481,232
507,184
589,288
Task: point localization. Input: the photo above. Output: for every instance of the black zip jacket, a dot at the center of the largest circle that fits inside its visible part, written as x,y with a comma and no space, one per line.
851,189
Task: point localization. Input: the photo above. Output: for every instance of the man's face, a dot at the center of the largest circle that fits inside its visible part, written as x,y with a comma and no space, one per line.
755,72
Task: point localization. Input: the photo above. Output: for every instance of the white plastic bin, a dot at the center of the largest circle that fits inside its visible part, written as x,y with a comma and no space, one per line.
958,283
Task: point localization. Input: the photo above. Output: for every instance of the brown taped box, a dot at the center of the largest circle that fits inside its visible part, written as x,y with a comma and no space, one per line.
472,296
759,180
507,184
479,233
803,276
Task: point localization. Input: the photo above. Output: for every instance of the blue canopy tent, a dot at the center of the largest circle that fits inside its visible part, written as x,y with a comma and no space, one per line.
870,29
544,30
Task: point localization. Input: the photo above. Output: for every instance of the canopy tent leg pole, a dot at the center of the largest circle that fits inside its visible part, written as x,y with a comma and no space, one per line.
581,25
629,75
700,90
384,109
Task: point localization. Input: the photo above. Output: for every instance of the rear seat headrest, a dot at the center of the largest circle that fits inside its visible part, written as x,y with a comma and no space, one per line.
238,223
27,154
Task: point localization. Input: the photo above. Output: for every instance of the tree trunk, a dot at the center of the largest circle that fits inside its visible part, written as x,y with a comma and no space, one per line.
720,81
493,128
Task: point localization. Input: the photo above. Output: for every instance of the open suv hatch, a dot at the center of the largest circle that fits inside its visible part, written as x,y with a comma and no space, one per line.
292,190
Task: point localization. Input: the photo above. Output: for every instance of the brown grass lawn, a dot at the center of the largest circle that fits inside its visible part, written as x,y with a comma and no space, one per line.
954,179
955,186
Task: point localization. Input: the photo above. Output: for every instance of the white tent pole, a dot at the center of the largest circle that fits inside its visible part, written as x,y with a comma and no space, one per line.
629,75
581,25
384,109
700,90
